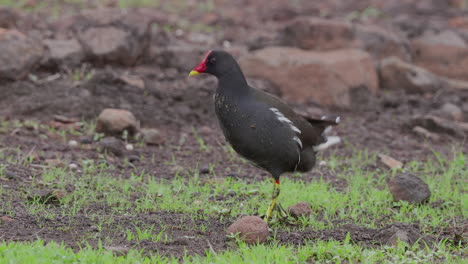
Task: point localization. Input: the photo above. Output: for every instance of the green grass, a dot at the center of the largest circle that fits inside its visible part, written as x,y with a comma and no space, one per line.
320,252
366,200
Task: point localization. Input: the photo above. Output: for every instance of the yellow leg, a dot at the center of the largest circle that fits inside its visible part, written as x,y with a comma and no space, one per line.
276,192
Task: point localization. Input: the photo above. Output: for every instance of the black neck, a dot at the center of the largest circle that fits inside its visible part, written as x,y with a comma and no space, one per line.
232,82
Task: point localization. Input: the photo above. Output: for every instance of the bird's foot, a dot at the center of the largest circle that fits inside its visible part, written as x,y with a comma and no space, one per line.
280,215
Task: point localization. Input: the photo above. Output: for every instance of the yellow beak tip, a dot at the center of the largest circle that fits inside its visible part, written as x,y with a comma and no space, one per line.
192,73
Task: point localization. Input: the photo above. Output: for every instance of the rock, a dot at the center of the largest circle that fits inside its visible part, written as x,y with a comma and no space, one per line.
66,52
129,147
73,166
382,43
113,145
152,136
6,218
20,54
73,143
389,235
450,111
9,17
397,74
440,125
47,196
10,174
182,57
445,37
86,140
206,131
390,162
133,80
251,229
320,34
133,158
176,170
425,133
118,250
444,54
410,188
54,163
204,170
300,209
113,36
116,121
326,77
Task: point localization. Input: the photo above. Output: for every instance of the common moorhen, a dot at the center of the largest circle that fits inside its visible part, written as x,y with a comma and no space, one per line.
260,127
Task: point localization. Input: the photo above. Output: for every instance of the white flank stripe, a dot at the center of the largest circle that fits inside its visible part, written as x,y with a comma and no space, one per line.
298,141
284,119
332,140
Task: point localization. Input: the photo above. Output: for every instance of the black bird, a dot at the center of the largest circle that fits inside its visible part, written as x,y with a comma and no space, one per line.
260,127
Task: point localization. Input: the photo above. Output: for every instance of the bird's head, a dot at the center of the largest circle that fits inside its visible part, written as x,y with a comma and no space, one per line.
217,63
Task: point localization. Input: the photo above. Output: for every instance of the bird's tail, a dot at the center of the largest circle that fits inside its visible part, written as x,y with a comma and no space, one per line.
327,122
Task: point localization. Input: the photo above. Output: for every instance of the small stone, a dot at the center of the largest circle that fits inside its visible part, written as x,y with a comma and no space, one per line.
54,162
177,169
11,175
231,193
116,121
64,52
439,125
300,209
47,196
135,81
152,136
113,145
251,229
425,133
397,74
323,163
410,188
204,170
390,234
6,218
451,111
129,147
119,250
73,166
133,158
205,131
73,143
390,162
86,140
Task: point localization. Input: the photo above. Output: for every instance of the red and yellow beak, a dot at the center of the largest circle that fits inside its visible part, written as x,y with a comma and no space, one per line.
193,72
200,68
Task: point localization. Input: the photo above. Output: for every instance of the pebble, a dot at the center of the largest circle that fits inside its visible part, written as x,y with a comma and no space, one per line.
73,143
300,209
251,229
204,170
410,188
133,158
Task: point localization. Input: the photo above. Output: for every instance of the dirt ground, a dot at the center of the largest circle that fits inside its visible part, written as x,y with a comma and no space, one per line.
177,106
